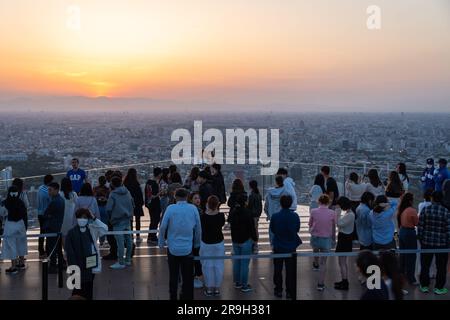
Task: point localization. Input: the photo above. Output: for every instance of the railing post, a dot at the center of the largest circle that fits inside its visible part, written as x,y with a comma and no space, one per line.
60,261
294,258
343,182
45,279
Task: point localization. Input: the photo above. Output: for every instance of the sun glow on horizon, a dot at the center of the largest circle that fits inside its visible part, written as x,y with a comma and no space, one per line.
258,51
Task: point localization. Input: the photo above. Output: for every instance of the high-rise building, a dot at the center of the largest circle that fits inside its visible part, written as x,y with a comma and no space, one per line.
5,179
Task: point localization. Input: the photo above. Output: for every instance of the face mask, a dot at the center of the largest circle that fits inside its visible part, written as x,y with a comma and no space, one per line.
82,222
107,184
429,166
14,194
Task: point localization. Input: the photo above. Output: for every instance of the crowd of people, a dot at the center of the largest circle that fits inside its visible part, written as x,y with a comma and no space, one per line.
185,218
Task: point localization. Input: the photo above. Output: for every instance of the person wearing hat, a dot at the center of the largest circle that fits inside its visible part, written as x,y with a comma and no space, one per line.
441,174
428,176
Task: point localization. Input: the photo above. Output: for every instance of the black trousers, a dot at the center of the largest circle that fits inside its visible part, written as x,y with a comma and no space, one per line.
183,265
441,267
197,263
155,218
86,291
52,245
41,241
112,242
289,264
138,223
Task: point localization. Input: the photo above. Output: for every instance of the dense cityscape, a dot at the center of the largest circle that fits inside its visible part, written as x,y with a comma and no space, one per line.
39,143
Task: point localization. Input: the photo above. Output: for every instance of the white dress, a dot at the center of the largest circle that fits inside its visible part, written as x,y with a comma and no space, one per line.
14,242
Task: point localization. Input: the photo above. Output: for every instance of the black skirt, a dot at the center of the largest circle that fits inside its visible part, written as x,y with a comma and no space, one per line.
344,242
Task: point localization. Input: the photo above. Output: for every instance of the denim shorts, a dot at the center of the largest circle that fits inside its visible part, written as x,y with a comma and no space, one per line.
320,243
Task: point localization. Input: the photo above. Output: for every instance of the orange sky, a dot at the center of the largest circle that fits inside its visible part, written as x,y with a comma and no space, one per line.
256,51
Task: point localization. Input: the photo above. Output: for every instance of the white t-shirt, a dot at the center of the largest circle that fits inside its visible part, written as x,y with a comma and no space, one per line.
355,190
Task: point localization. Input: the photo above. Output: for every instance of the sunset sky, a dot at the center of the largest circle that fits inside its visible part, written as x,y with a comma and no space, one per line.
241,52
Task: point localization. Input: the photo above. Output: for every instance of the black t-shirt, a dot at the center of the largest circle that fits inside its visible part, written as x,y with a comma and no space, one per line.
212,227
331,186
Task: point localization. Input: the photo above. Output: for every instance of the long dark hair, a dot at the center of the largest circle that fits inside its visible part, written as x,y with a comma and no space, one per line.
193,175
374,178
165,175
19,184
131,178
354,177
402,170
319,180
86,190
406,201
175,177
253,184
367,198
237,186
394,185
390,268
66,187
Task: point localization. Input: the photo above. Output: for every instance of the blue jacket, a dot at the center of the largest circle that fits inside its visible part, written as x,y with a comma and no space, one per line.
427,179
54,215
364,225
440,176
383,227
285,226
43,199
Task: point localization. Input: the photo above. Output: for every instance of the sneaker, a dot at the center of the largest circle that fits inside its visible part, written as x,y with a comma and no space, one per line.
424,289
21,266
128,263
278,294
320,287
288,296
138,240
315,266
12,271
237,285
440,291
208,293
117,266
246,289
217,292
198,284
